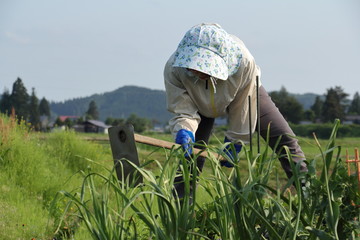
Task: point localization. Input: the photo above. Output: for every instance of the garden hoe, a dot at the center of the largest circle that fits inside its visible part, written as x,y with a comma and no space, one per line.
122,142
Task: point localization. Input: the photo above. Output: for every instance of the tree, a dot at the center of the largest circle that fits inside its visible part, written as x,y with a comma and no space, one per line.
334,105
80,120
291,109
20,99
354,108
92,112
58,122
69,123
140,124
34,114
309,115
5,102
114,121
317,107
45,114
109,121
44,108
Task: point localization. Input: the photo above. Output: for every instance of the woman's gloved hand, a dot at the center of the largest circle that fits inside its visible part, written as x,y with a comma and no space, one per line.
232,151
185,138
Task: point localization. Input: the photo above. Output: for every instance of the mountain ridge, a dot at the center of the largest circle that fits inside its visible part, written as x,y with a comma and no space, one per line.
120,103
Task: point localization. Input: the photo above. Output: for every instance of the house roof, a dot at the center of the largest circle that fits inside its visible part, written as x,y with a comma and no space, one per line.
97,123
63,118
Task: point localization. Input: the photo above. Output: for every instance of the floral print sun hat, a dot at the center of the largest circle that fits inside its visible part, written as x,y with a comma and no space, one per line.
209,49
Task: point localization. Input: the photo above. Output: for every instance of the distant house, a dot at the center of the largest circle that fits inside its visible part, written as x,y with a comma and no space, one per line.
63,118
352,119
79,127
95,126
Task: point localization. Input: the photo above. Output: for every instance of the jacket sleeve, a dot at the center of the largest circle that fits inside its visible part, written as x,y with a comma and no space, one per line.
179,102
238,110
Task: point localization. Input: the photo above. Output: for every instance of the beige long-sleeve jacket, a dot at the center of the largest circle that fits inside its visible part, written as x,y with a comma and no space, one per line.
187,96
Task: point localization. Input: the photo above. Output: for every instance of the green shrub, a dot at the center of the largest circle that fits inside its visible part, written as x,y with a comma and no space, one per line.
323,131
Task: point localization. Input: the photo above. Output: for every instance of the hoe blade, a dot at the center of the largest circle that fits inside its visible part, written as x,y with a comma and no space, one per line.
124,150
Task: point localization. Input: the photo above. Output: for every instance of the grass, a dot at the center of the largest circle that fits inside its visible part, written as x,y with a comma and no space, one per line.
65,187
32,172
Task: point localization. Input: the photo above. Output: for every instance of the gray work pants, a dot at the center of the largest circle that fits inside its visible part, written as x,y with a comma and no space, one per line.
279,128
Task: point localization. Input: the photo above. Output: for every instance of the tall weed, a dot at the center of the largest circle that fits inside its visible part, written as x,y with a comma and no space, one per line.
69,149
32,171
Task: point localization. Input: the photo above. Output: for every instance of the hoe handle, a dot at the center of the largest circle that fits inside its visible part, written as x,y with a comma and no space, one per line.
165,144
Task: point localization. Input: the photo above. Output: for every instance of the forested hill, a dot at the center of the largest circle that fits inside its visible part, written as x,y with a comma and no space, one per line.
143,102
120,103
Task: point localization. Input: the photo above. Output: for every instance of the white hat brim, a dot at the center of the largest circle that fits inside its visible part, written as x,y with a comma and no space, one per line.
202,60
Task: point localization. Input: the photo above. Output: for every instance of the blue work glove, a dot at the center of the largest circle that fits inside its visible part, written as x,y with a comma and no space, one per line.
232,150
185,138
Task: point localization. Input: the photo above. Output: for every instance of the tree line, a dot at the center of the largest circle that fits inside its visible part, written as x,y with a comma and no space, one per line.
28,108
24,106
140,124
91,114
333,105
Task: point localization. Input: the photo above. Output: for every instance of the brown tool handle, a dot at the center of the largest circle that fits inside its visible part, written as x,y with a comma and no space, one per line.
165,144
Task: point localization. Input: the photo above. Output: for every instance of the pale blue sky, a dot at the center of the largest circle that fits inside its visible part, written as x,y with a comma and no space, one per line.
67,49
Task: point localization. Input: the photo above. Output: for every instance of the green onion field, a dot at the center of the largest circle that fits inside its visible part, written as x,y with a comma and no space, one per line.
60,186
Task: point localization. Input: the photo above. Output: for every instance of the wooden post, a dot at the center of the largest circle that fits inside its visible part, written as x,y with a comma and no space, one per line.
250,125
356,162
258,113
